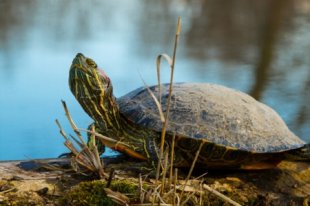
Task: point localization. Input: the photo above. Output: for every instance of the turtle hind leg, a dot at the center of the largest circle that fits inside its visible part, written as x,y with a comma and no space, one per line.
262,161
260,165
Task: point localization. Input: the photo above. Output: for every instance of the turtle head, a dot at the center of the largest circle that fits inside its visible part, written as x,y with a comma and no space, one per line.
86,80
93,90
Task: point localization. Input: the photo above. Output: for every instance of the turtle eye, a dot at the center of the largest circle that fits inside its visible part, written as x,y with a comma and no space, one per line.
91,63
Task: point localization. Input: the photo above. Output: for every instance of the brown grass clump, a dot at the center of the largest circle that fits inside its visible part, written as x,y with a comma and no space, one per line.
84,156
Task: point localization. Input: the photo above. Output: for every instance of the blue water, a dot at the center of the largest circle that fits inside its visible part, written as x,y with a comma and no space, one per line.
219,44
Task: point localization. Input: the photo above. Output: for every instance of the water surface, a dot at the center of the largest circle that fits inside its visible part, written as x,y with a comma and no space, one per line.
259,47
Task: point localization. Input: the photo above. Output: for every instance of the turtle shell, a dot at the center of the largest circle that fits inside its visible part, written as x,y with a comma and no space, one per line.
218,114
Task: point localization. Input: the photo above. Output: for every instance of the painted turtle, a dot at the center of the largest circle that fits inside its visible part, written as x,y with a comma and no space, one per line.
237,131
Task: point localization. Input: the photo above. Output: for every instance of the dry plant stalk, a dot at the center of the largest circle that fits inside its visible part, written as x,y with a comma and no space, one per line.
192,168
165,124
171,159
141,189
163,182
200,195
175,195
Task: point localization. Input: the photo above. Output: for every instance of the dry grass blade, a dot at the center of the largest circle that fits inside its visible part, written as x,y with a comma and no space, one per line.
109,142
158,62
175,185
189,188
67,142
8,190
72,122
192,167
165,124
111,176
200,195
117,197
163,182
62,131
171,159
220,195
142,195
201,176
80,144
158,104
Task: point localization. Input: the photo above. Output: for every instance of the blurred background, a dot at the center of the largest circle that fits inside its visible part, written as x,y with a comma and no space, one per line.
259,47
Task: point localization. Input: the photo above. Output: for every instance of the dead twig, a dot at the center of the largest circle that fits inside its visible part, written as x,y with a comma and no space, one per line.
111,176
192,168
220,195
171,159
73,125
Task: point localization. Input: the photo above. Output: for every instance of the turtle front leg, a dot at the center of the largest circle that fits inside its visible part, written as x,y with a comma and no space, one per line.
99,144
